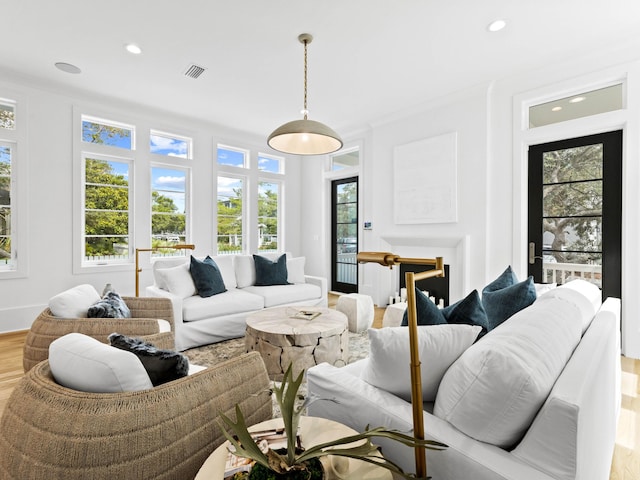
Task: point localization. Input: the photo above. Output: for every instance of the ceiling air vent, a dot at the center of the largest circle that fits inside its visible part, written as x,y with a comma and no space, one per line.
194,71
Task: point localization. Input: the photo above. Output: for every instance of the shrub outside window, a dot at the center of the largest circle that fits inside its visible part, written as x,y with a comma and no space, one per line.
168,209
105,132
230,208
268,215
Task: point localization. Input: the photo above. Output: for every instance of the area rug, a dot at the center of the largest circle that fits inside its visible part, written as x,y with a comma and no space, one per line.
210,355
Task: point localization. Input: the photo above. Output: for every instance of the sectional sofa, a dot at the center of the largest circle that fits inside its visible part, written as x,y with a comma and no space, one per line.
202,321
537,398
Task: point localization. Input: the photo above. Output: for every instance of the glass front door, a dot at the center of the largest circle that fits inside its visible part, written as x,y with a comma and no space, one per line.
344,237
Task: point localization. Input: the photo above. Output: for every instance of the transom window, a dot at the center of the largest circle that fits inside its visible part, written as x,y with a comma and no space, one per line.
7,115
169,144
233,157
230,207
345,160
270,163
106,132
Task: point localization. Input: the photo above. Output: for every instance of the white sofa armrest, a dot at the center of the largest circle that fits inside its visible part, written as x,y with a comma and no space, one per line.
176,302
322,283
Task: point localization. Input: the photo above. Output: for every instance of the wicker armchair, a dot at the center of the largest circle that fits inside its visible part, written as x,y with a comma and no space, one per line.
49,431
144,312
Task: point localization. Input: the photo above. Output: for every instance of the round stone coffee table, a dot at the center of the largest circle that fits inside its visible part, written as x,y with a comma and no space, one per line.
282,339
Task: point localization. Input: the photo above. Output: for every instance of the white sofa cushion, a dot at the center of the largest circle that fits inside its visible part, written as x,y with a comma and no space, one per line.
75,302
227,270
232,301
586,296
176,280
295,270
496,387
389,360
275,295
85,364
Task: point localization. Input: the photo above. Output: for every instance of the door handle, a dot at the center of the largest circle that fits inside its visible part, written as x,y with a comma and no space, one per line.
532,253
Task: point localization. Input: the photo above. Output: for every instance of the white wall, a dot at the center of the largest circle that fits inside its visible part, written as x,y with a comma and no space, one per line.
49,226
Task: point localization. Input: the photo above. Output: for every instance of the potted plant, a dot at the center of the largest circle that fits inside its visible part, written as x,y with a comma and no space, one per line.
297,463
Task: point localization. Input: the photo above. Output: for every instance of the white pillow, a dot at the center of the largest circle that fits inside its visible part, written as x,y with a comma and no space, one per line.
227,270
295,270
389,360
83,363
542,288
75,302
495,389
177,280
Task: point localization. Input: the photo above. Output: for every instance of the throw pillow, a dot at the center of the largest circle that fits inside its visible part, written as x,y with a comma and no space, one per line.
467,311
161,365
206,277
295,270
177,280
506,279
439,346
271,273
427,312
75,302
502,304
110,306
85,364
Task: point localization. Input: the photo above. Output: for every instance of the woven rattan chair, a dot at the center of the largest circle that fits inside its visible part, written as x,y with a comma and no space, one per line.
144,312
49,431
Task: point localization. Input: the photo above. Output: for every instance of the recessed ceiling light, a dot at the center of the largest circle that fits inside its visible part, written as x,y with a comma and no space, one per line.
67,67
556,109
133,48
496,25
577,99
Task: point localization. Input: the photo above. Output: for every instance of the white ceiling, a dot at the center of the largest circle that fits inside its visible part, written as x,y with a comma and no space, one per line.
369,58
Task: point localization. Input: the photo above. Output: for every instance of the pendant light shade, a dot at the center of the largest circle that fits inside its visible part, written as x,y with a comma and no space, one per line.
305,137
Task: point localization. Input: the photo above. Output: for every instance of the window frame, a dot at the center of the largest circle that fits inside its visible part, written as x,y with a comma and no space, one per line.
16,139
246,154
279,216
280,160
245,186
165,134
187,203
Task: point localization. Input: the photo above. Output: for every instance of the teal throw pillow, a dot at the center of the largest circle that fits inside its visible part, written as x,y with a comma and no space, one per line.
427,312
502,304
206,277
506,279
271,273
468,311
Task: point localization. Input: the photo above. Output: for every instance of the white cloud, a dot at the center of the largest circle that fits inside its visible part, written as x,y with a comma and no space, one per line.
170,182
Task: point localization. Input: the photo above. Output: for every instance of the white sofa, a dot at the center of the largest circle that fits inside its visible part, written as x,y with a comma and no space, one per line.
202,321
571,433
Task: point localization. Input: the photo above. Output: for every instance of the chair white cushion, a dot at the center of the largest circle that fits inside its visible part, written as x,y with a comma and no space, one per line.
83,363
75,302
389,360
177,280
496,387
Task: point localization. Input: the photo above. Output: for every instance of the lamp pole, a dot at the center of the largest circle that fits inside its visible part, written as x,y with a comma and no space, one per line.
153,249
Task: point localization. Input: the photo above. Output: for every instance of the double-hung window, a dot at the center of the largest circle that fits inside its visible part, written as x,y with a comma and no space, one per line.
269,215
107,190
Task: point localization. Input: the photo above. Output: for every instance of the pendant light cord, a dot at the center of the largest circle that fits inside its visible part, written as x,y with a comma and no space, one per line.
305,79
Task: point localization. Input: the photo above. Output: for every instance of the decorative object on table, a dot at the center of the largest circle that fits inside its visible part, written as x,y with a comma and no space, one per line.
305,137
155,249
280,465
387,259
306,315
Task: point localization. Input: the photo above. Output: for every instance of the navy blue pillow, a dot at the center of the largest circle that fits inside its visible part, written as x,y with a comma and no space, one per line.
271,273
502,304
468,311
427,312
506,279
206,277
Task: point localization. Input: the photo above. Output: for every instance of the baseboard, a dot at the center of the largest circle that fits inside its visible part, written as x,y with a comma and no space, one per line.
19,318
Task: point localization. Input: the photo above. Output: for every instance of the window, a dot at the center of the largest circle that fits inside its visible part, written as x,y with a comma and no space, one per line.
345,160
7,115
7,257
268,215
106,209
270,163
169,145
580,105
230,205
233,157
168,209
106,132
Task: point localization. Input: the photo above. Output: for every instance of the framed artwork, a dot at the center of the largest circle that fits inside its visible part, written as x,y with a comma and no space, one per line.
425,181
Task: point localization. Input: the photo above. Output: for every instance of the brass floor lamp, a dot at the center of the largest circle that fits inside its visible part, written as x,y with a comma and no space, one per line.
154,249
389,260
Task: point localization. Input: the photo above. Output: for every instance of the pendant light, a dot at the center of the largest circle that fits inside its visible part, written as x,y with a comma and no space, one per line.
305,137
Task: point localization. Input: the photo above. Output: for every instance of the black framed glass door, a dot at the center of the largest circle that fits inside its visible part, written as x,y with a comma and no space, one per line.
344,235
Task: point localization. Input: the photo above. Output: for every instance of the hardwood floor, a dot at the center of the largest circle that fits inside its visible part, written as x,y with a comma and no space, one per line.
626,460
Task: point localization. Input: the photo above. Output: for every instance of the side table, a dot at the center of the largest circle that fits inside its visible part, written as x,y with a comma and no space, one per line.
313,431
